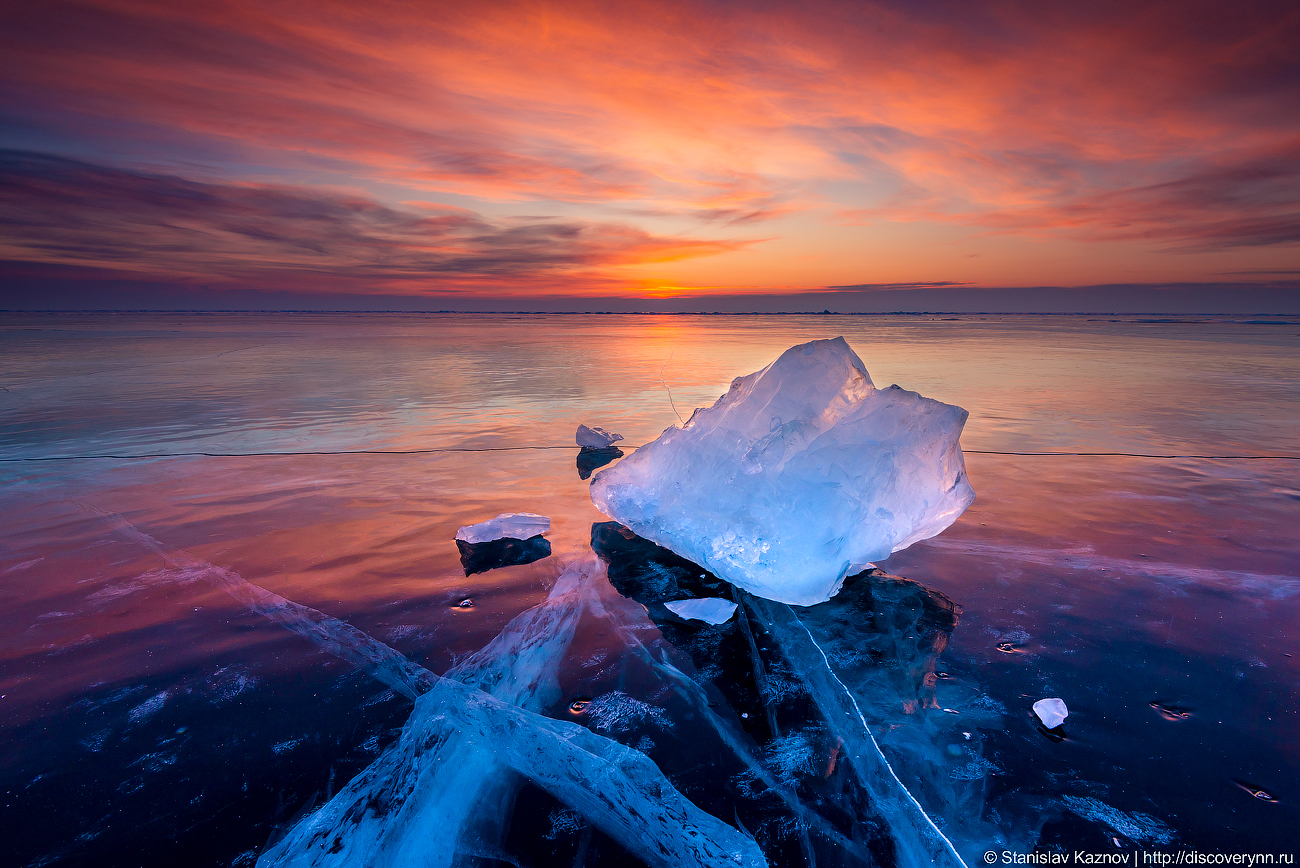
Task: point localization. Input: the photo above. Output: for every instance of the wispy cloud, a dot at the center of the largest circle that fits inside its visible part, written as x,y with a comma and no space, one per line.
868,287
1252,201
55,210
1169,123
1261,271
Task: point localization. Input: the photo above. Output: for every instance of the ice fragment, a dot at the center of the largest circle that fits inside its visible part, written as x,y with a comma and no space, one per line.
712,610
596,438
1052,712
507,525
801,471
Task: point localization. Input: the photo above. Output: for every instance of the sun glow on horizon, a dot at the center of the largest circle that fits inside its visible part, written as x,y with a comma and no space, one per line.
575,149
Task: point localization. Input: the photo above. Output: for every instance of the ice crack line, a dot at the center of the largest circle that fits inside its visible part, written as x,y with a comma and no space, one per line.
457,449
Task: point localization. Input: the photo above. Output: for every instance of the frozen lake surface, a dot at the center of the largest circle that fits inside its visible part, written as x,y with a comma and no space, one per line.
155,710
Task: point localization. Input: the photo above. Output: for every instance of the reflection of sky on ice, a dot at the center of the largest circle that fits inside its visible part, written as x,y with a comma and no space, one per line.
1116,583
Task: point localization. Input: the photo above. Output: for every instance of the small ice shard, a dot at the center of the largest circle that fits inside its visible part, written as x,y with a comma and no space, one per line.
507,525
1052,712
596,438
801,471
711,610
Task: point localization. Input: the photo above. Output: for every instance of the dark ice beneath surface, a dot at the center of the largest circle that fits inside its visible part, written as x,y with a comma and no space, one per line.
504,552
594,738
870,655
591,459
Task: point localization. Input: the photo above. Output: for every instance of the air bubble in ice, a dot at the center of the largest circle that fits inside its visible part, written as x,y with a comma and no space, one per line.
1171,712
1258,792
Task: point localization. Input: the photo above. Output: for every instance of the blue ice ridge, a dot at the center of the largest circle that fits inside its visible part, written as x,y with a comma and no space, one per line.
441,790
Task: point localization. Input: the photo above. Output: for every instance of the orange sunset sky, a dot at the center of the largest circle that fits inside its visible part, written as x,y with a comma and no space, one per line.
642,150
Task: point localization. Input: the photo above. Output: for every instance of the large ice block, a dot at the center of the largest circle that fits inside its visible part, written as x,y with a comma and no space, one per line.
801,473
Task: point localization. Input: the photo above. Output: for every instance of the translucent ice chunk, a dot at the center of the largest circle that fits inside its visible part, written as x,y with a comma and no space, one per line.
1052,712
507,525
712,610
596,438
800,471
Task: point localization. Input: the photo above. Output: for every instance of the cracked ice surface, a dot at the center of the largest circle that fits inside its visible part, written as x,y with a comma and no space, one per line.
443,794
440,792
800,472
857,660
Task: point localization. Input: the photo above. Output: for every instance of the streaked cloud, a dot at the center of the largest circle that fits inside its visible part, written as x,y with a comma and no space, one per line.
652,131
72,213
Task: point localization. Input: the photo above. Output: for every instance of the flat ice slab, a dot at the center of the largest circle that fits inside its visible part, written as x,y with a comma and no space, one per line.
507,525
1052,712
596,438
800,471
712,610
